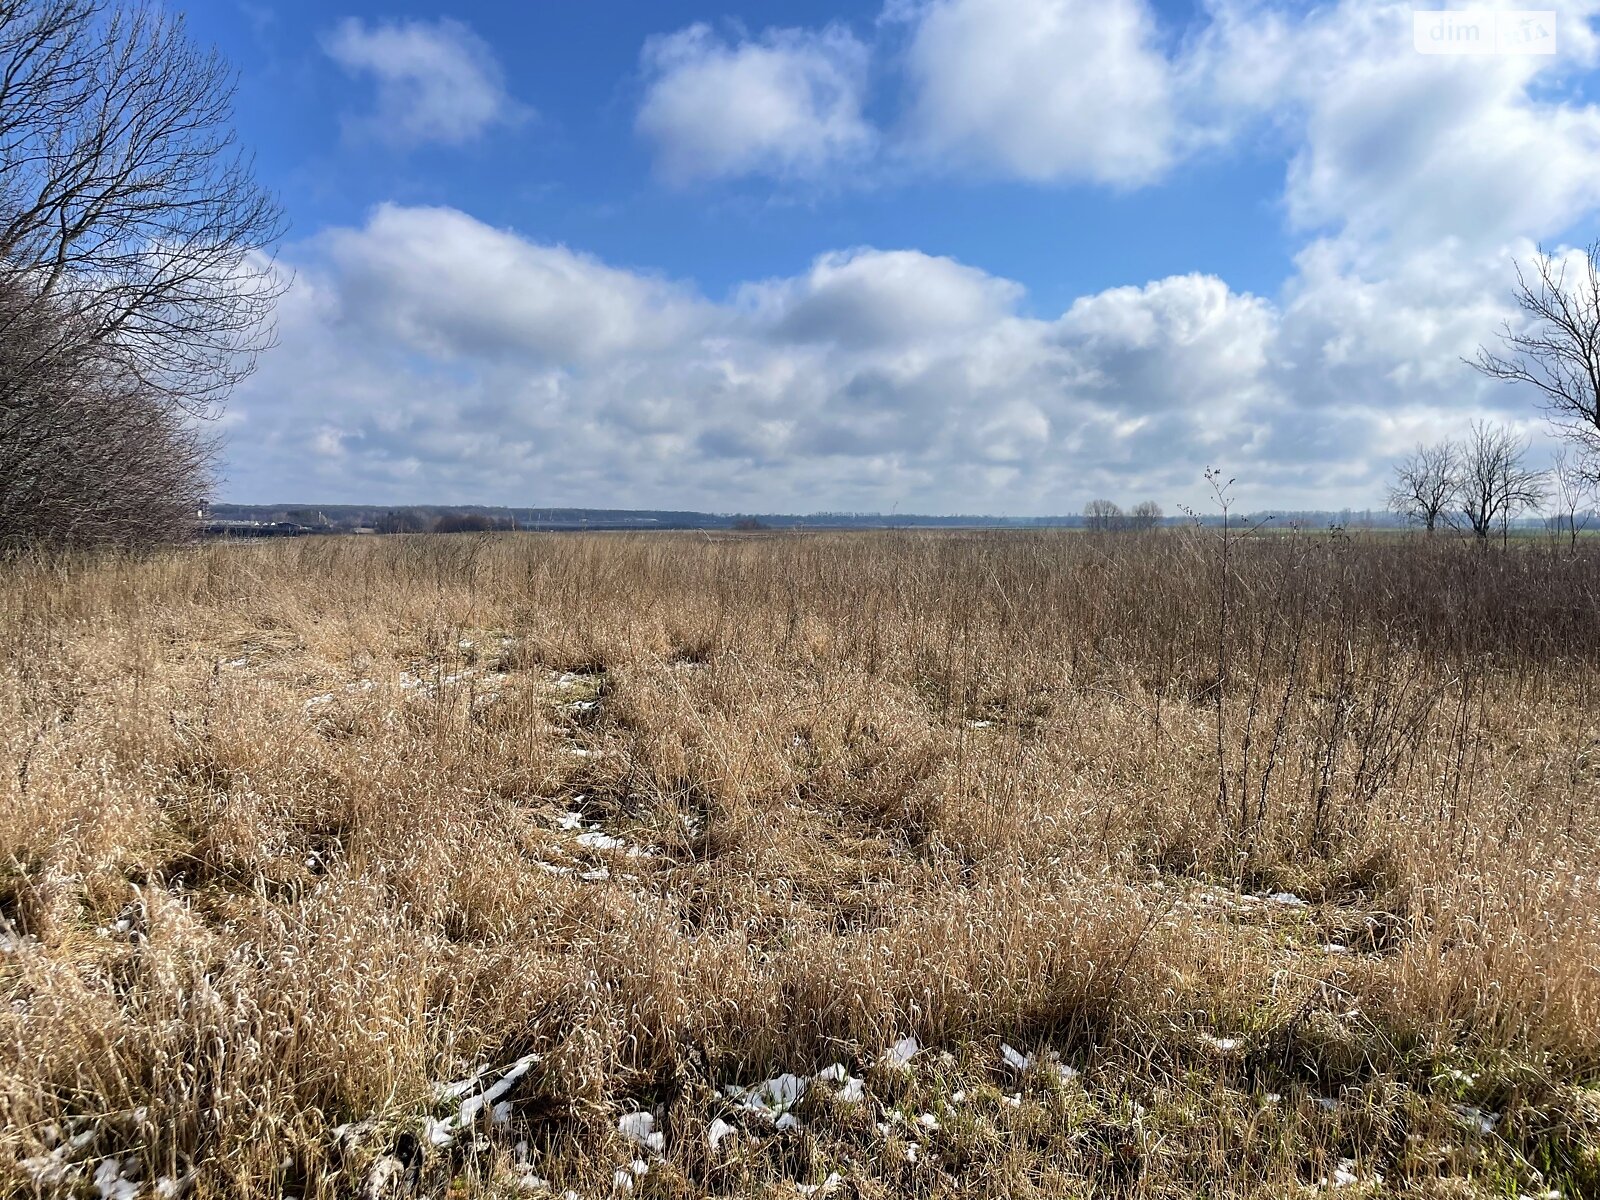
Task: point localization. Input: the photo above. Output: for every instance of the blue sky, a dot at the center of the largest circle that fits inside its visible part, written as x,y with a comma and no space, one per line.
952,255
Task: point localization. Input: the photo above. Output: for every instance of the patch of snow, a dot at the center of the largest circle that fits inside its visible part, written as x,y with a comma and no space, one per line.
901,1053
241,661
1223,1045
853,1091
527,1179
772,1098
57,1166
111,1182
1014,1059
570,820
1346,1175
1064,1071
596,875
640,1129
825,1188
445,1132
381,1175
787,1121
928,1121
717,1131
594,839
1475,1118
318,701
500,1114
1286,900
1335,948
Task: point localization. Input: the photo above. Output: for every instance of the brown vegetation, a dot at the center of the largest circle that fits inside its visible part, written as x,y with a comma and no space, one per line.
288,842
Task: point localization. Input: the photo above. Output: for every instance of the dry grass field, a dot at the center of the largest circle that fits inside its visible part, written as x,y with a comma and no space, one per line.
1145,865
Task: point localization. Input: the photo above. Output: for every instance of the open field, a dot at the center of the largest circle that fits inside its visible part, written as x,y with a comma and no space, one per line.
1193,868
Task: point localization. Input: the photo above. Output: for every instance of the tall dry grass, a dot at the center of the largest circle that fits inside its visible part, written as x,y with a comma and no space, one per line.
286,844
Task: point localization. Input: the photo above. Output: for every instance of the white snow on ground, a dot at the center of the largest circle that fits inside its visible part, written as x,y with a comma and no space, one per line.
445,1132
640,1129
592,837
622,1181
1475,1118
1286,899
12,943
1019,1063
901,1053
1223,1045
1347,1174
825,1188
112,1183
717,1131
56,1167
772,1098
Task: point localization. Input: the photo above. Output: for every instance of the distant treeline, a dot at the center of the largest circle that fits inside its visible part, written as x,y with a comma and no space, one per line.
473,518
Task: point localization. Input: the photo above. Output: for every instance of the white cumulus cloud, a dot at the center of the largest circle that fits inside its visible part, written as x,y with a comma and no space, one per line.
436,81
428,356
788,103
1041,89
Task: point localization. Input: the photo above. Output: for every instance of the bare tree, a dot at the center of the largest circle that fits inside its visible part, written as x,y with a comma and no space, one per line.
1495,481
1146,515
1424,483
1102,515
136,283
1556,347
124,200
1573,491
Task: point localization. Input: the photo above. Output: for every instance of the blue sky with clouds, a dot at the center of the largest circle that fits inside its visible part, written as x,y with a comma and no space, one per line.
933,255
